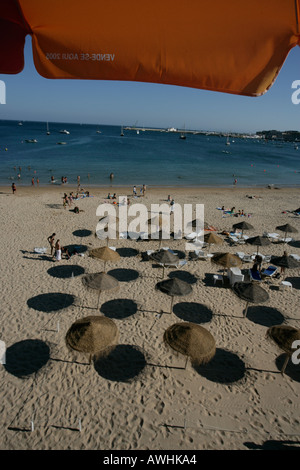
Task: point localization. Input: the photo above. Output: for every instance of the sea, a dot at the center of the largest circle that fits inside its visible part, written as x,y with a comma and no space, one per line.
156,158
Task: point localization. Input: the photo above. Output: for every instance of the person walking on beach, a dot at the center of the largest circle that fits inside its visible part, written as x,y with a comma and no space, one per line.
13,187
51,243
134,190
32,181
57,250
144,189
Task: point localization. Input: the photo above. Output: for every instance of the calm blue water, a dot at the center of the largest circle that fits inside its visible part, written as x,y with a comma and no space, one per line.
151,158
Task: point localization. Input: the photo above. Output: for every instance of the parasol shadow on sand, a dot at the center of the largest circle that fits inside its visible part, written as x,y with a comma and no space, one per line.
250,292
26,357
184,276
124,363
100,282
265,316
225,367
119,308
127,252
192,340
284,336
124,275
174,287
65,271
193,312
82,233
92,335
51,302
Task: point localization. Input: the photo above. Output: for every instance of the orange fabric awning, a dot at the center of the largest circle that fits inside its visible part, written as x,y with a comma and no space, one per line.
230,46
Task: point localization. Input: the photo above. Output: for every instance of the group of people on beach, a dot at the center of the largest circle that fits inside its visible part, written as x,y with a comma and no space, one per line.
56,249
142,191
239,213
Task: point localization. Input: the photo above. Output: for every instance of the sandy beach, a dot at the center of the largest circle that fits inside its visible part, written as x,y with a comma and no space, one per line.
144,396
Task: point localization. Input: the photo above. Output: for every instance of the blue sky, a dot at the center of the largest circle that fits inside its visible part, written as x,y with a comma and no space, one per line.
32,97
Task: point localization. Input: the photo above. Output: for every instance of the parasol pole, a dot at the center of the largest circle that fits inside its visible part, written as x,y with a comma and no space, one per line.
172,301
98,299
285,363
246,309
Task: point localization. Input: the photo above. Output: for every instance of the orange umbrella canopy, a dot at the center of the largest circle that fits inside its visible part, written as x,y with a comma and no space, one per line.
234,46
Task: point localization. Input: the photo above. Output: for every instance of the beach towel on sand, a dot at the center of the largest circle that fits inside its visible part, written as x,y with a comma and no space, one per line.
40,250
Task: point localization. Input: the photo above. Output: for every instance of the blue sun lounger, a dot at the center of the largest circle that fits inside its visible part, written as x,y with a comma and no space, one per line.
270,271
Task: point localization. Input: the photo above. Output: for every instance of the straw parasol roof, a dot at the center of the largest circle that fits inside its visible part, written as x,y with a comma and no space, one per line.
174,287
100,282
285,261
211,238
287,228
258,241
192,340
284,336
227,260
250,292
243,226
105,254
165,257
92,334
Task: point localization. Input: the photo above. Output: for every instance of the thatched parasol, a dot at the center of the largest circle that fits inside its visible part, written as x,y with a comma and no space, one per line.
192,340
174,287
284,336
100,282
284,262
243,226
105,254
250,292
258,241
287,228
211,239
227,260
92,335
165,257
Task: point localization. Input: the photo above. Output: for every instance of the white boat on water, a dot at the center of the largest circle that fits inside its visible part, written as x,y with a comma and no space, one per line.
48,132
31,141
64,132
